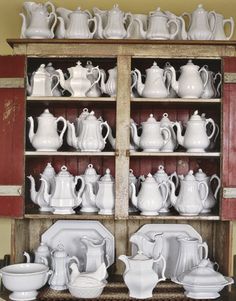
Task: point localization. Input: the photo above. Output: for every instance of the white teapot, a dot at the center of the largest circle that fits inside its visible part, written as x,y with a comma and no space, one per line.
89,194
200,28
114,27
149,200
158,26
189,201
190,84
152,138
195,138
64,198
154,86
37,24
139,275
76,25
46,138
210,202
218,27
37,197
78,83
42,83
90,138
110,86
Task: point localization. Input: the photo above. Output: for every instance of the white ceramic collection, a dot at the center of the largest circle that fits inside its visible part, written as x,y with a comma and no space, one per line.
58,194
40,21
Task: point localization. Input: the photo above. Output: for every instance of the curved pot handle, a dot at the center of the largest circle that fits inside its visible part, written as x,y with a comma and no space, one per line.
79,193
161,257
203,69
219,85
57,83
169,135
205,248
64,127
231,22
108,130
206,191
218,186
166,190
54,23
172,35
94,20
210,120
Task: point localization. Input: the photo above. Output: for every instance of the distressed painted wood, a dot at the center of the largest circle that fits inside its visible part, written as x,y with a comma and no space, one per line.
228,205
12,83
12,114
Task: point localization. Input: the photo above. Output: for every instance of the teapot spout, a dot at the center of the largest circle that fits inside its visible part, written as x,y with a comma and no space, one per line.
180,137
92,195
111,139
125,259
174,82
31,130
27,256
33,191
61,79
103,85
173,197
134,198
134,134
23,26
99,26
46,195
71,136
140,85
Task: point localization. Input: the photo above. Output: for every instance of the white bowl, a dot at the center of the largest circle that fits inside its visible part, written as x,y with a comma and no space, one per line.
86,292
24,279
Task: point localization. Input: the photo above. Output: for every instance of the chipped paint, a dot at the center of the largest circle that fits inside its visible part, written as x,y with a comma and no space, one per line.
9,111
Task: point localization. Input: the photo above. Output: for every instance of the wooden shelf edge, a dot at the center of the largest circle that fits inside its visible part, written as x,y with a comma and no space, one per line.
69,99
174,154
177,100
68,216
75,154
175,217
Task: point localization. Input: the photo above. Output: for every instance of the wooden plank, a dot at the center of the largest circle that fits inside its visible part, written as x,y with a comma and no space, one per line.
121,243
53,99
12,66
177,100
122,135
79,216
174,154
69,154
175,217
19,240
12,83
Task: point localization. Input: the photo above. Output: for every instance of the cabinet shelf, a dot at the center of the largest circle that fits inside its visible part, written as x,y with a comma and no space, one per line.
207,217
77,216
62,99
174,154
68,154
177,100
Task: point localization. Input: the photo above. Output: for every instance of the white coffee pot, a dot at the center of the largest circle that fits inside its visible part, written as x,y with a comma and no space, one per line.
60,265
211,200
172,144
200,28
152,138
78,83
154,86
219,28
90,139
158,26
196,138
46,138
114,27
38,22
110,86
77,25
149,199
139,274
42,83
181,34
190,201
64,198
90,191
37,197
190,84
161,176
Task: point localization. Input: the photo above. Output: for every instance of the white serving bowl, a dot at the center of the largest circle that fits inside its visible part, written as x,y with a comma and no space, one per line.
88,292
24,279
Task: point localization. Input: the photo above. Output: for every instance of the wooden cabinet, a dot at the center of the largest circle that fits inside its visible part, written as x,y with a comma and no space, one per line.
19,160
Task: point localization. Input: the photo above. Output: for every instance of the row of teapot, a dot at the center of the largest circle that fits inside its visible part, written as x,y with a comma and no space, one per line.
193,82
58,194
200,134
45,21
145,268
157,193
87,81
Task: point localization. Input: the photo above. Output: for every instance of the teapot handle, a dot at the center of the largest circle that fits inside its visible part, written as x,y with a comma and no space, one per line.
131,20
205,247
54,23
210,120
161,257
135,79
231,22
175,176
167,192
88,12
97,80
48,3
203,69
64,127
218,186
169,135
79,200
108,130
213,24
57,83
189,16
206,191
172,36
94,20
220,82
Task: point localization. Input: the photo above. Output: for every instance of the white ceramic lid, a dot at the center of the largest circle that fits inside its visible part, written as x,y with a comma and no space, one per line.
46,114
158,12
189,176
161,174
140,256
131,175
42,248
107,177
165,120
91,117
149,179
90,171
202,275
49,170
195,117
151,119
64,172
200,175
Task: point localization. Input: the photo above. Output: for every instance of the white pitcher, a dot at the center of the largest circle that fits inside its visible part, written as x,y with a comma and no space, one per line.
219,28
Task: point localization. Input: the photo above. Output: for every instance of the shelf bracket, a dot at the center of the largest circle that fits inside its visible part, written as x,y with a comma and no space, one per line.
10,190
229,192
